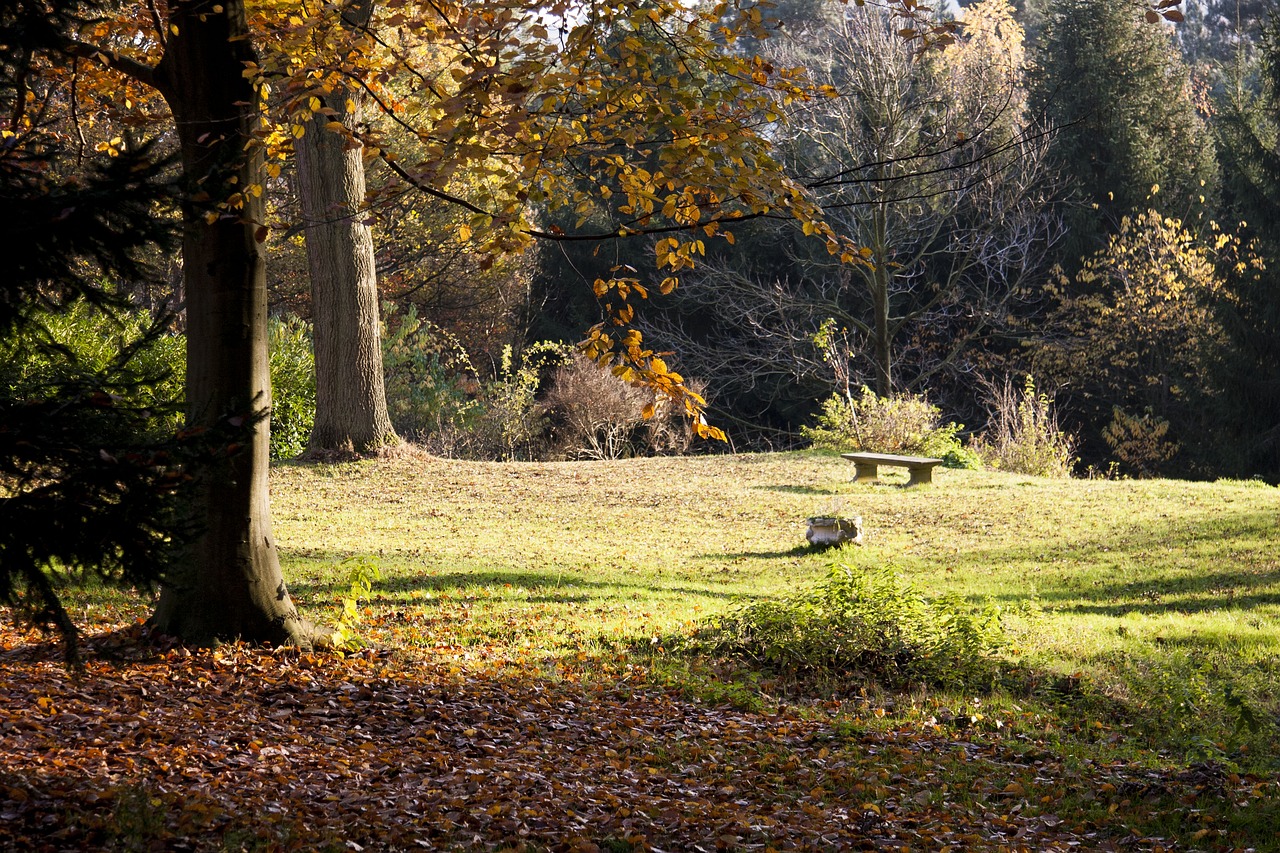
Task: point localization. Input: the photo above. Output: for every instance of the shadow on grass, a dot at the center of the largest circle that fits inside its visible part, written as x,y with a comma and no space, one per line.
798,490
546,588
1088,583
798,551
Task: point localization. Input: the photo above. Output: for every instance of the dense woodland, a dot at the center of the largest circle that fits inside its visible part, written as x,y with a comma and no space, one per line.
589,230
1023,209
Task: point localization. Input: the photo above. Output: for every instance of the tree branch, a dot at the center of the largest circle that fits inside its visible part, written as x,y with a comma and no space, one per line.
128,66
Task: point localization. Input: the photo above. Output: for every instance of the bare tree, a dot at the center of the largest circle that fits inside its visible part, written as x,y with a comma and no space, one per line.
928,164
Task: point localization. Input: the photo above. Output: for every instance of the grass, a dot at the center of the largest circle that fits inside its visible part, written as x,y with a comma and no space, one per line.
1142,616
1144,597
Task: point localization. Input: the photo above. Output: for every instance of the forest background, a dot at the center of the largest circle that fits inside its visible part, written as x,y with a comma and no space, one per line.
1027,218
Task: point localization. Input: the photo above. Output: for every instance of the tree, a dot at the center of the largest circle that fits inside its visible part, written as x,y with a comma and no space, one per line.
1117,94
351,404
1134,340
1219,34
927,164
229,582
92,476
1247,131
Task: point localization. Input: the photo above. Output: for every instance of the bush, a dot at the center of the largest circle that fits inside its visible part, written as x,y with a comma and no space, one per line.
906,424
60,346
596,415
1140,443
83,339
430,381
547,402
1024,436
863,625
293,386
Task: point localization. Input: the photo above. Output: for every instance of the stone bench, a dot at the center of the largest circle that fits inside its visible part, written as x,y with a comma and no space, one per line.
866,466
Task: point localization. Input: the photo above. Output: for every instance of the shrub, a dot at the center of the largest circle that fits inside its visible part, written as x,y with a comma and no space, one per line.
293,385
907,424
1024,436
512,424
596,415
86,339
436,398
1140,443
60,346
862,625
430,381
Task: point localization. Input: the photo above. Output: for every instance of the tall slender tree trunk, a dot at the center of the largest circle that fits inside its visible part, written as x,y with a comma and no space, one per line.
882,278
351,402
231,584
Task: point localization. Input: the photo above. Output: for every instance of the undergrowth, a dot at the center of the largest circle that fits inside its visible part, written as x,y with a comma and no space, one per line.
861,625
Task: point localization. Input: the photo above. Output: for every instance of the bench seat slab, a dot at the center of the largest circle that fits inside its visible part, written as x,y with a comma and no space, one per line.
866,467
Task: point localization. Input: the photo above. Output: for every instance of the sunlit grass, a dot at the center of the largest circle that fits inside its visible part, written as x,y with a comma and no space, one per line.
1146,598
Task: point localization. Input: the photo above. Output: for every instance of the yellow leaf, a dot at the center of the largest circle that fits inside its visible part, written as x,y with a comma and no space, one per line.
464,232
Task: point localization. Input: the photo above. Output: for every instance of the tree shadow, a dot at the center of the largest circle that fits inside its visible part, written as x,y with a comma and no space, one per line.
544,588
796,490
798,551
1214,584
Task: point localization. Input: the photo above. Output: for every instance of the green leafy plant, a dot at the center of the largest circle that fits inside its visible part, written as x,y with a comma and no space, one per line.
512,419
906,423
863,624
1024,436
293,385
362,574
431,383
83,339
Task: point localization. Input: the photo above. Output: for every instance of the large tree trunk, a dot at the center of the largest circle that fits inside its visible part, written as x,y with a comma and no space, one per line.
351,402
231,584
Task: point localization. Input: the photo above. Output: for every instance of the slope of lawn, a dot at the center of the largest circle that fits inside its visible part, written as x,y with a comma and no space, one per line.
1131,583
518,691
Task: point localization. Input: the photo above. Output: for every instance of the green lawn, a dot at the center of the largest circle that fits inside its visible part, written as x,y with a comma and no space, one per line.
1143,598
1135,701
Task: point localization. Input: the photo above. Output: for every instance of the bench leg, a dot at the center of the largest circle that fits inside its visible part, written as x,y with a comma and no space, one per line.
865,472
922,476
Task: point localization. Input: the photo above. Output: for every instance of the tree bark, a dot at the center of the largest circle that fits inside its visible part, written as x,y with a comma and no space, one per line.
230,584
351,402
881,279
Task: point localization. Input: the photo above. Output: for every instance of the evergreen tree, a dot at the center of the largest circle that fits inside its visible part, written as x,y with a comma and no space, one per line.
1247,132
1117,93
89,481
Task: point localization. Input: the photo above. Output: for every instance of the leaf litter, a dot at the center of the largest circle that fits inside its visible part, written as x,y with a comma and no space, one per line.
242,747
